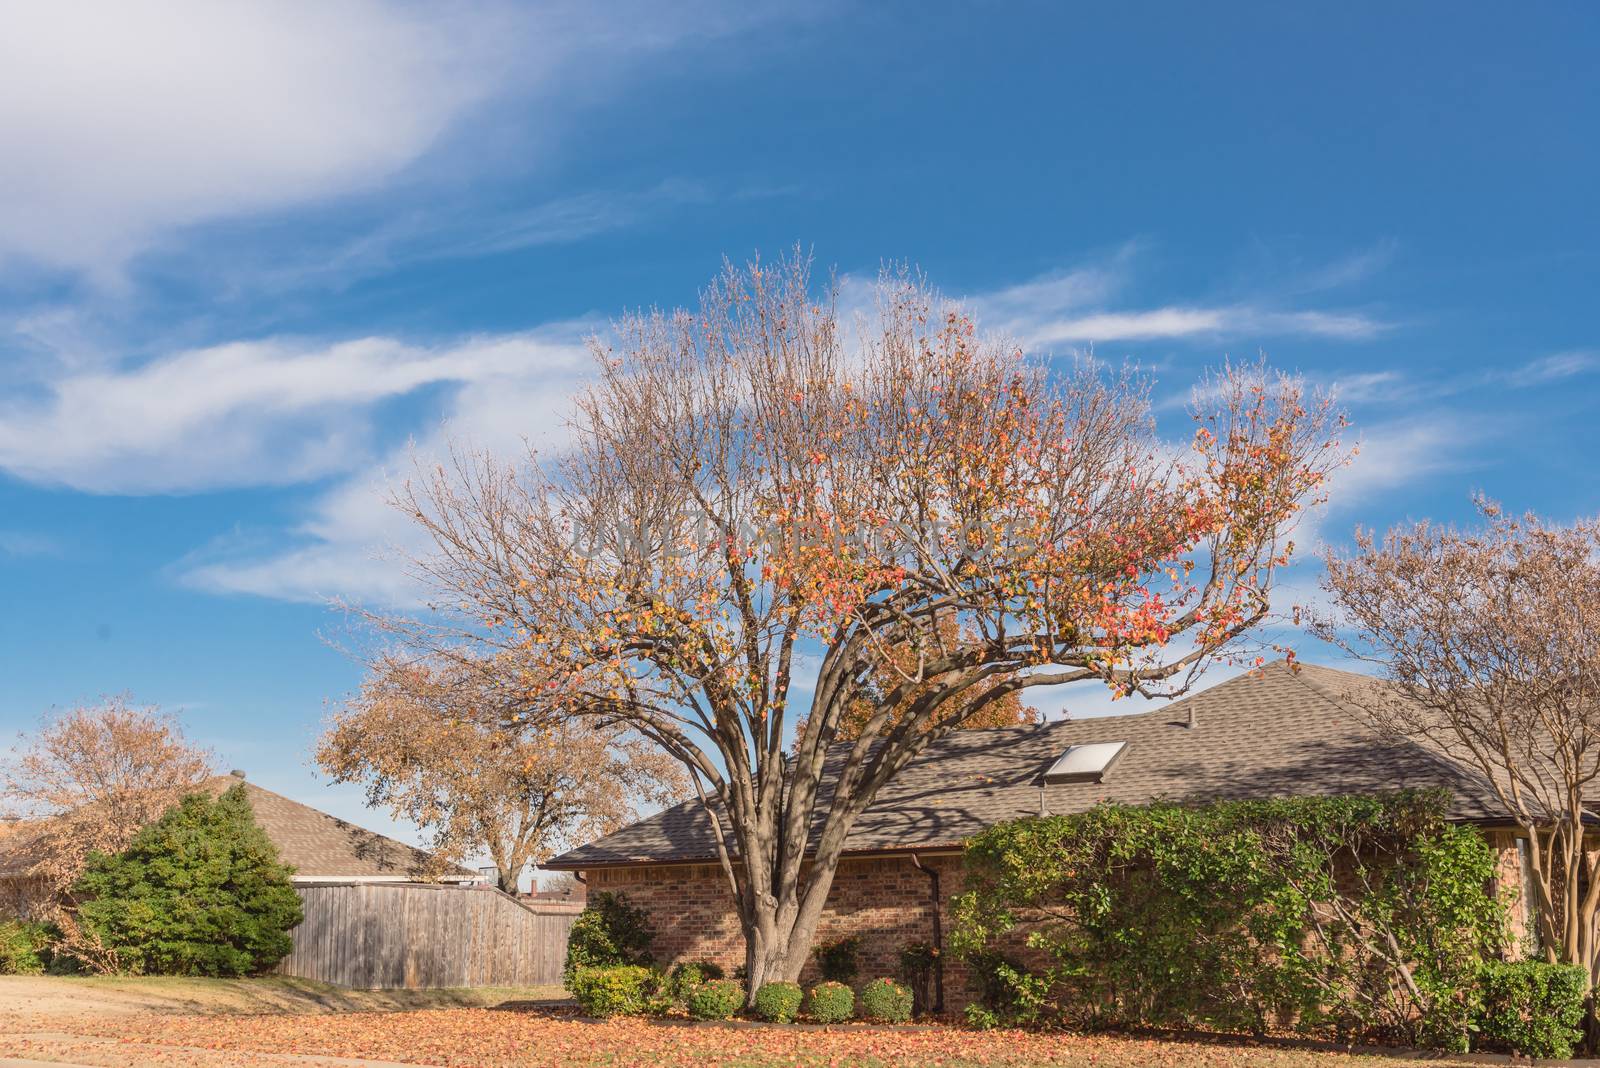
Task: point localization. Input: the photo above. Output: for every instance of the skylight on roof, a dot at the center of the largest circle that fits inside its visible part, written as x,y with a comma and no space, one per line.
1087,762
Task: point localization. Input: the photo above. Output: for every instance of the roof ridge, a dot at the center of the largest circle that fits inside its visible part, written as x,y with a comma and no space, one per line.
1439,758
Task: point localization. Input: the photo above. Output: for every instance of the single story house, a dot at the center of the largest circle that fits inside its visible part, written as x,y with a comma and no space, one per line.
1285,730
321,848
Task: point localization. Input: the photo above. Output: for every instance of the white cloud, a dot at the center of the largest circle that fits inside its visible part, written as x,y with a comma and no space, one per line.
128,126
27,543
1179,321
252,413
122,121
352,541
1080,307
1553,368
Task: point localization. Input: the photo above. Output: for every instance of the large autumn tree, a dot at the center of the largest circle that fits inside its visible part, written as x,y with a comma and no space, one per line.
433,743
746,483
1489,639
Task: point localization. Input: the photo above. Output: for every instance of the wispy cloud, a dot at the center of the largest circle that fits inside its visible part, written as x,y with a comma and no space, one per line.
268,412
1552,368
1090,305
27,543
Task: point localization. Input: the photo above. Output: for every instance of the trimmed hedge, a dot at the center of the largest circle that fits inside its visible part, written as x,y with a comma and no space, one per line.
1531,1008
613,990
1236,915
778,1002
830,1002
886,1001
715,999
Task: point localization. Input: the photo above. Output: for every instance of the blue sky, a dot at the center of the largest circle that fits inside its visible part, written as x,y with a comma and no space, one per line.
248,253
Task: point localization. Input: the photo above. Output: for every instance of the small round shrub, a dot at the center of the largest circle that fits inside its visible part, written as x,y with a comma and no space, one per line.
778,1002
715,999
688,974
886,1001
617,990
831,1002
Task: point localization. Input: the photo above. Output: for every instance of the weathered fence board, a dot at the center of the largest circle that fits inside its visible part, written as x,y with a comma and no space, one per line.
385,936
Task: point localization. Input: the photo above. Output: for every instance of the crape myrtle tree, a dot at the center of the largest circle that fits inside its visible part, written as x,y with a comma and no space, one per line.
744,485
1490,639
418,738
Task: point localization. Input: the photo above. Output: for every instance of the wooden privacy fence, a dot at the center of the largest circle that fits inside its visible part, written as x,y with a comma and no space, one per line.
385,936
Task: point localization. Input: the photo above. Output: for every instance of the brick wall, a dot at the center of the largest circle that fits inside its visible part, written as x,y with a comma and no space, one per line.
884,900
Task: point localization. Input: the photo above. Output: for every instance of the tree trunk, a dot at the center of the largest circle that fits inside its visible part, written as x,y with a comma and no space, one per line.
778,942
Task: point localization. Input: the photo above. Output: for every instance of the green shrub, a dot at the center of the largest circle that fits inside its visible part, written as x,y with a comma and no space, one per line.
1171,915
25,947
688,974
778,1002
607,932
831,1002
886,1001
613,989
715,999
837,960
1531,1008
198,892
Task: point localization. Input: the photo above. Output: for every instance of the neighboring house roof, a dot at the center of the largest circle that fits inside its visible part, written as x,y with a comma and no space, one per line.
317,845
1285,730
320,846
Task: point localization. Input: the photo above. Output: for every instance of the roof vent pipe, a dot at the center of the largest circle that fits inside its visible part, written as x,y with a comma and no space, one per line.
1194,718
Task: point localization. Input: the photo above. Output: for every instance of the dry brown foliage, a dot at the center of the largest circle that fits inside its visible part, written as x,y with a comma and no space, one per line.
433,745
1490,639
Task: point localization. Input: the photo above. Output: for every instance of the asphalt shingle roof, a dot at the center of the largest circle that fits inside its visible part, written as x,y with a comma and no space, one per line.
1281,731
322,846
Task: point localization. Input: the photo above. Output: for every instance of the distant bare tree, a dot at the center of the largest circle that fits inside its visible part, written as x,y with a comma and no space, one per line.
92,776
432,743
1491,641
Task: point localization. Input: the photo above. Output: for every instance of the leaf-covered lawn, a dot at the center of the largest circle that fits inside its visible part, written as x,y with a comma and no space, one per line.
488,1038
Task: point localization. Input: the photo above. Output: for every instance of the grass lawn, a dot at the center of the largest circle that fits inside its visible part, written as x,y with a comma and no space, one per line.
295,1023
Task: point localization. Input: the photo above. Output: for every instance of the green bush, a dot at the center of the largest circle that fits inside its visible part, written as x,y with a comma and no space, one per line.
830,1002
607,932
688,974
1531,1008
886,1001
778,1002
1235,916
715,999
837,960
613,990
25,947
198,892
